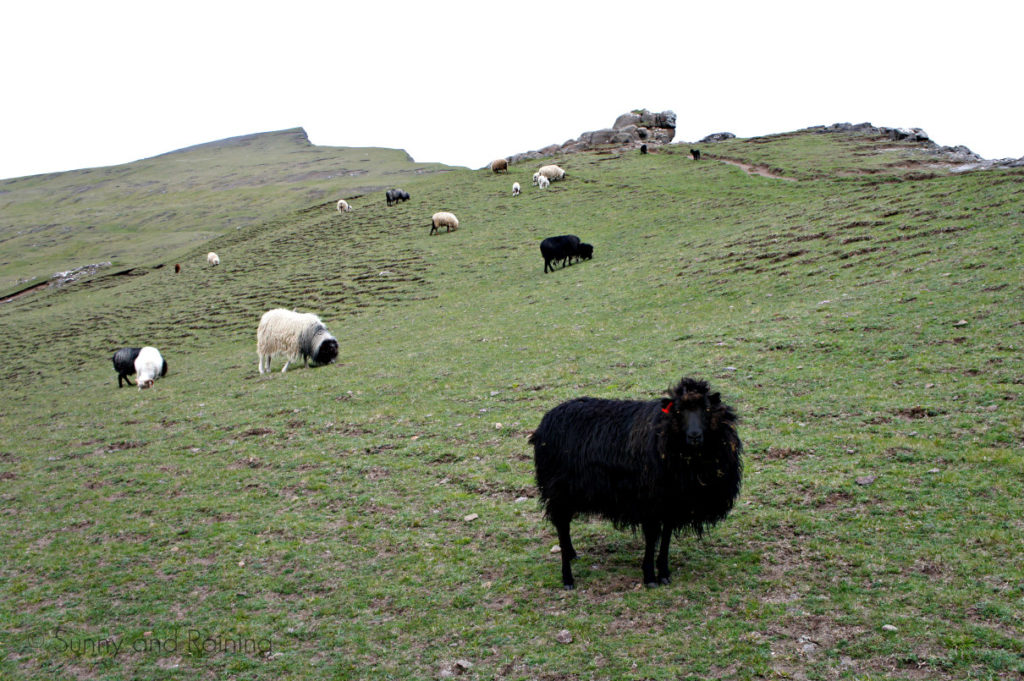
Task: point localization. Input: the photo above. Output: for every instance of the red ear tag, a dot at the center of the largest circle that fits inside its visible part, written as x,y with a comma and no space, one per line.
667,409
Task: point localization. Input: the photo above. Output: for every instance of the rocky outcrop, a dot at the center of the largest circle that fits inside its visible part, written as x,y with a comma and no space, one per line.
964,158
717,137
630,129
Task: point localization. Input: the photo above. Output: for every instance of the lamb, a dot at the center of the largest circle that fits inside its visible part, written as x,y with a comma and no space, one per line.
177,267
149,365
443,219
551,172
662,465
563,249
542,182
516,189
695,153
643,148
289,333
343,206
498,165
124,364
393,196
212,258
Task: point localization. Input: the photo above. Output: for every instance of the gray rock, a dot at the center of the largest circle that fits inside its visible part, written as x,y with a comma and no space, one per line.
717,137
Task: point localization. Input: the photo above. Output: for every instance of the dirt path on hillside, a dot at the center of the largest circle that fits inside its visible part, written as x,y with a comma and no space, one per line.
761,170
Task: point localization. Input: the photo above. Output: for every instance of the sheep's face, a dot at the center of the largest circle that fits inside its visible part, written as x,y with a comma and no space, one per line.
327,352
145,383
692,415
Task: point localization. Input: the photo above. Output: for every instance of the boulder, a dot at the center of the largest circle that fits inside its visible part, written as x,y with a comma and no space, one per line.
717,137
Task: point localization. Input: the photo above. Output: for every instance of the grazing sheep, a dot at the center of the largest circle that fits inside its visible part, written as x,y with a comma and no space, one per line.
177,267
393,196
498,165
124,364
553,173
343,206
443,219
563,249
643,148
288,333
516,189
212,258
662,465
542,182
695,153
149,365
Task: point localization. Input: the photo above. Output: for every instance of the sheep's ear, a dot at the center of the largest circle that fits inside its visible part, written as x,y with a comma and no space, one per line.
715,398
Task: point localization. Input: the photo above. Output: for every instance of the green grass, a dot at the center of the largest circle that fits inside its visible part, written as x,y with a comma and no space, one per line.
312,524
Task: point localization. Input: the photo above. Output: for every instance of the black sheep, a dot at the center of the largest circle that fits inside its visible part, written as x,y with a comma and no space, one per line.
124,364
695,153
661,465
395,195
563,249
643,148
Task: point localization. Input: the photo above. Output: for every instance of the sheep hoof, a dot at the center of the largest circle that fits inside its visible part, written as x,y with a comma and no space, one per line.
665,580
569,587
652,585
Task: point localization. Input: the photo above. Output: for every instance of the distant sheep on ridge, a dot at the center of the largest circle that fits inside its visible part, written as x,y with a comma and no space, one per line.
551,172
499,165
212,258
343,206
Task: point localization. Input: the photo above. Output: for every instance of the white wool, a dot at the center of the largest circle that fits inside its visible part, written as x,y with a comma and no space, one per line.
516,189
543,182
343,206
551,172
444,219
148,366
278,334
212,258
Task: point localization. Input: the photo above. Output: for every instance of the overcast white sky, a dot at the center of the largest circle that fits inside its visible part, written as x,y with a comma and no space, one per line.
100,83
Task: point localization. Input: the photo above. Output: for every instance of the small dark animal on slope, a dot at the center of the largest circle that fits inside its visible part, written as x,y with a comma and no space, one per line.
695,153
562,249
393,196
661,465
177,267
643,148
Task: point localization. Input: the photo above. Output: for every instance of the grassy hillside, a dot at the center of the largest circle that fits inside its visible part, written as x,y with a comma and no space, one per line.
155,209
377,518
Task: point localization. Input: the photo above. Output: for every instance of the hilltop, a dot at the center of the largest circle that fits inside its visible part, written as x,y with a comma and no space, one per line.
153,210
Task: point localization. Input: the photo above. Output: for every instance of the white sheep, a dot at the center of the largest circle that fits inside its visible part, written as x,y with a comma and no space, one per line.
551,172
212,258
149,365
543,182
289,333
343,206
443,219
515,189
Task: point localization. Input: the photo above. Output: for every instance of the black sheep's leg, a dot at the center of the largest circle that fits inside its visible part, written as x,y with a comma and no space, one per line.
663,571
651,532
561,522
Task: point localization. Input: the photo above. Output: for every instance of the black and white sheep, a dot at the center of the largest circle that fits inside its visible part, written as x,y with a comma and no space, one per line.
562,249
552,172
294,334
498,165
149,365
516,189
662,465
343,206
124,364
443,219
212,258
393,196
